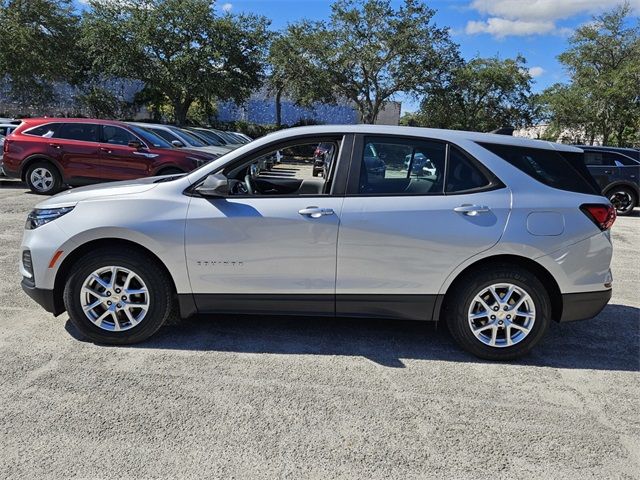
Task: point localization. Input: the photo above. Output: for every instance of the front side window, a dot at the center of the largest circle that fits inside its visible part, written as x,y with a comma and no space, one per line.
117,136
150,137
166,135
597,159
287,170
85,132
397,167
189,138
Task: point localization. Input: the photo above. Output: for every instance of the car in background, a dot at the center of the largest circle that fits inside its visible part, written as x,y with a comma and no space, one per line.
180,138
1,154
48,153
7,128
375,166
617,172
245,136
321,159
420,164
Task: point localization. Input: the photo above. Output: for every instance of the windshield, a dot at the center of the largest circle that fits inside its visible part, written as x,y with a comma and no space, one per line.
191,139
150,137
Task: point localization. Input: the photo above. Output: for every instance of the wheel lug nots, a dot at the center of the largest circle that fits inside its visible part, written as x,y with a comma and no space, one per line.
495,309
493,317
506,308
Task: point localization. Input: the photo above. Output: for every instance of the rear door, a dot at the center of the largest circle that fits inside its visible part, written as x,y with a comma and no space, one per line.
404,229
76,147
119,160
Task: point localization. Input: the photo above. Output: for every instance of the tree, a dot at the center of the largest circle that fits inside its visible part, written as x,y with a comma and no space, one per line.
366,53
603,62
180,49
482,95
38,39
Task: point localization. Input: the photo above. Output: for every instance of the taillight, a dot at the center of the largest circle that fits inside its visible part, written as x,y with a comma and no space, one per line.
5,146
602,215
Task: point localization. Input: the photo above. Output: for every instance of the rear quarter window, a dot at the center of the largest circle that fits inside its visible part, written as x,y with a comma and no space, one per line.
546,166
47,131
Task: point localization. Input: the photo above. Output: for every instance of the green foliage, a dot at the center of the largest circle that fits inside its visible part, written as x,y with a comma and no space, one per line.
38,41
366,52
603,97
480,95
180,49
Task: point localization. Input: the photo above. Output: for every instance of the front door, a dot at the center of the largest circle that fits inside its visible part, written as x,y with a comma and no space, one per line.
119,160
270,245
406,224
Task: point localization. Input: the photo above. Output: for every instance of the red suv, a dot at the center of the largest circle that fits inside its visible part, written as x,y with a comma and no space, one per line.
48,153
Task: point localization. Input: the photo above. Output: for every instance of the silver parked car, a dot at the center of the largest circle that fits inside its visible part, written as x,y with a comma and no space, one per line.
505,236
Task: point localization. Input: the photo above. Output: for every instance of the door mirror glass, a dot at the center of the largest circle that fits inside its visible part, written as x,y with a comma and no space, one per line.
177,143
215,185
135,144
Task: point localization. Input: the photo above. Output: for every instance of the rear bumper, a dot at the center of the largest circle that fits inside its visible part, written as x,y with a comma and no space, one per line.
43,297
581,306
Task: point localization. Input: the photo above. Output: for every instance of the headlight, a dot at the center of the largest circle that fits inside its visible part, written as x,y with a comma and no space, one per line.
39,217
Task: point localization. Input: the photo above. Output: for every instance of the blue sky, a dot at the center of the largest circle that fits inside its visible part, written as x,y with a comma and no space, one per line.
537,29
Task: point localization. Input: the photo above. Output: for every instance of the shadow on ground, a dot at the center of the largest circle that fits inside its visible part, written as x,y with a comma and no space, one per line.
610,341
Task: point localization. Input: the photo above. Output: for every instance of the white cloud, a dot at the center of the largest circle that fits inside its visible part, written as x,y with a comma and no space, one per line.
227,7
536,71
533,17
501,27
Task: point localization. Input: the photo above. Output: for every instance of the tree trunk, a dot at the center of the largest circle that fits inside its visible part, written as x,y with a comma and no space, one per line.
279,107
180,110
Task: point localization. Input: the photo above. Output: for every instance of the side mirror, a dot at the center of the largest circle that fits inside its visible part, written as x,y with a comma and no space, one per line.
215,185
177,143
135,144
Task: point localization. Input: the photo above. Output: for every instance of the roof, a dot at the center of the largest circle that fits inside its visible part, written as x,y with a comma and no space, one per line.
434,133
39,120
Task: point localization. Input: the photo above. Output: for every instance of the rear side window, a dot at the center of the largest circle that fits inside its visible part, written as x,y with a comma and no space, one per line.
392,166
598,159
85,132
546,166
46,131
462,174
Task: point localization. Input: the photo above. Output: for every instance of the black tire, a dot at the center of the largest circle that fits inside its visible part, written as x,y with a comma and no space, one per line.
52,182
464,291
628,197
162,304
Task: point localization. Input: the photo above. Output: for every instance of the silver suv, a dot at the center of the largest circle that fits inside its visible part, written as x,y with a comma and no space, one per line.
497,238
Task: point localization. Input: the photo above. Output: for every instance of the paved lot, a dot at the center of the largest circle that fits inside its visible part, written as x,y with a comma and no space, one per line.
314,398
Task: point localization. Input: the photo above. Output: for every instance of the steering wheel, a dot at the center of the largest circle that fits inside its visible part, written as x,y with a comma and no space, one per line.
248,184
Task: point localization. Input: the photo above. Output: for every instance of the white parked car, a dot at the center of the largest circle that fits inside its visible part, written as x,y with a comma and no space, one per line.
507,235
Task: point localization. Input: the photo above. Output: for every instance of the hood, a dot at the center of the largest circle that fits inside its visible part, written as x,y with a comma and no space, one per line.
93,192
219,151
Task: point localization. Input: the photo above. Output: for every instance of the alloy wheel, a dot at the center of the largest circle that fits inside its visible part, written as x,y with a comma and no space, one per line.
621,200
42,179
502,315
114,298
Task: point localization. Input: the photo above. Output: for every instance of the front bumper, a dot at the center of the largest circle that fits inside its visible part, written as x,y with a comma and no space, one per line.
581,306
43,297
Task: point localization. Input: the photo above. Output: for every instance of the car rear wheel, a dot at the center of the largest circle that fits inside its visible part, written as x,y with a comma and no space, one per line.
118,296
43,178
623,199
499,313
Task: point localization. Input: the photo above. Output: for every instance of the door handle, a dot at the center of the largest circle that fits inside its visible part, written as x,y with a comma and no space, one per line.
105,150
608,172
315,212
55,145
472,210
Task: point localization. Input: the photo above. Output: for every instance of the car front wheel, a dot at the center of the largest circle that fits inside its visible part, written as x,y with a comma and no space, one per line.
118,296
499,313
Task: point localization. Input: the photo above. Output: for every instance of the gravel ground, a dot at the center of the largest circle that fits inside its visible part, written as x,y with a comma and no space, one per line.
255,398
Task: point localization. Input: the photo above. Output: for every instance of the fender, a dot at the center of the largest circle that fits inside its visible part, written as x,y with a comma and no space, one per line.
622,183
24,165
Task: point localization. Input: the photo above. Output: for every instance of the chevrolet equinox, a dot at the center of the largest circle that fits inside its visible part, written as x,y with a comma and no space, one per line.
497,238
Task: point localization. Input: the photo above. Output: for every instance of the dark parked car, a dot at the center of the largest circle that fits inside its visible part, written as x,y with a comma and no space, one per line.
48,153
616,170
